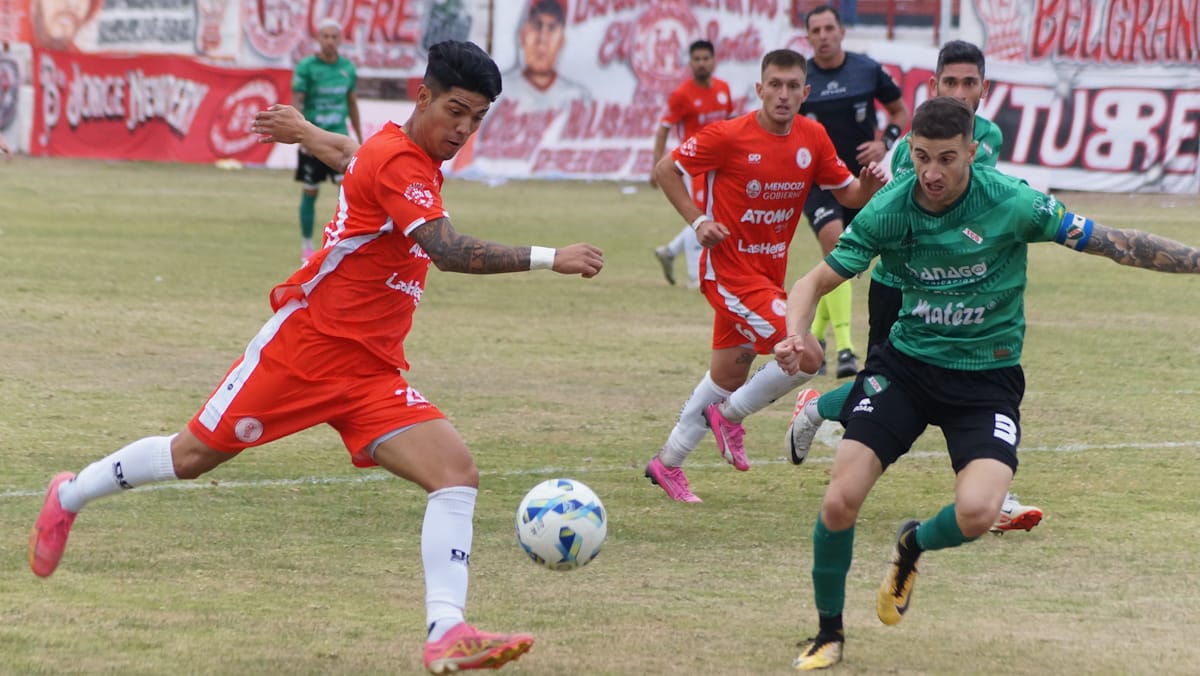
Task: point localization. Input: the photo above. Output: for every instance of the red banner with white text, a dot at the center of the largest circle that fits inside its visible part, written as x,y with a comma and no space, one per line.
149,108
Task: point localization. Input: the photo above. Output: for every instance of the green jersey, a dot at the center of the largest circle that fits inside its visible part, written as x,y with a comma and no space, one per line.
326,88
962,271
989,137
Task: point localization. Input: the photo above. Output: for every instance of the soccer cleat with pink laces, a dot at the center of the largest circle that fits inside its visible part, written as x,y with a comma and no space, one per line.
671,480
48,538
465,647
729,437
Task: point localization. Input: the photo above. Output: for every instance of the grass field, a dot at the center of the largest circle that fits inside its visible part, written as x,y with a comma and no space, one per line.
127,289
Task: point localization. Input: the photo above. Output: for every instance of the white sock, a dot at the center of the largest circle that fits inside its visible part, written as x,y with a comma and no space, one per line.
690,429
306,242
765,386
691,249
446,553
677,245
142,462
811,411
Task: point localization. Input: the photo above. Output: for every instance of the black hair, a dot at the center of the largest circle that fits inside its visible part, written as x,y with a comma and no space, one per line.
784,58
822,10
943,117
454,63
702,44
959,51
552,7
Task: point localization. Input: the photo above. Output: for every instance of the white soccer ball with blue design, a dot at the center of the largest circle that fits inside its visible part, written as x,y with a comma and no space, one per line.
561,524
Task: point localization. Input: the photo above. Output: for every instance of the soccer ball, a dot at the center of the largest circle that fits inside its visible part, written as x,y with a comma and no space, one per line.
561,524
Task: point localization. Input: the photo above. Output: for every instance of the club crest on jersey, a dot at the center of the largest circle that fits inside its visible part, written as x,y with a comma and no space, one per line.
779,307
972,236
721,98
248,430
753,188
419,195
803,158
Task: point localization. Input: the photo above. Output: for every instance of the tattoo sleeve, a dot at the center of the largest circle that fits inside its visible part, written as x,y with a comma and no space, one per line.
454,252
1143,250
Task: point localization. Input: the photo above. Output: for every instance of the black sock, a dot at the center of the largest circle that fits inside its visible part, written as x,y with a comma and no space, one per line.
831,625
909,543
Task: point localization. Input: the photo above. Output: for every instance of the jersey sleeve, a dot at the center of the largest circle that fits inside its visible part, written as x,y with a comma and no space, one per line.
410,197
988,152
677,109
703,152
831,172
300,78
857,246
1044,216
886,89
901,157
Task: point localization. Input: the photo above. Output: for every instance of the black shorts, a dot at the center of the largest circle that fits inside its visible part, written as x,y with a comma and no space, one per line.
821,207
895,397
312,172
883,309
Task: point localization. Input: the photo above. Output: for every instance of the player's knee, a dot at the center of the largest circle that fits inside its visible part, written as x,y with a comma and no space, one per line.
975,517
837,512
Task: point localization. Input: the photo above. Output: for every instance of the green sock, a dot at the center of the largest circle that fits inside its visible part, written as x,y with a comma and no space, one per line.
838,301
941,532
831,562
830,404
821,319
308,214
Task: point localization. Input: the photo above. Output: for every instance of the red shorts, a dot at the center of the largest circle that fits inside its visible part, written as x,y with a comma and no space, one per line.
292,377
752,317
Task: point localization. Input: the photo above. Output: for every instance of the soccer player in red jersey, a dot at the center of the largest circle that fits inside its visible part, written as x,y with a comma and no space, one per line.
334,350
697,102
758,169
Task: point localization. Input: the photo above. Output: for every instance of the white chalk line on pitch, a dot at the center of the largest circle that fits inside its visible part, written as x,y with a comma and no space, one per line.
549,471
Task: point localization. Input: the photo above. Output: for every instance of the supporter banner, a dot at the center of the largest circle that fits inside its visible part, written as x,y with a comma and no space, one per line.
194,27
14,21
384,38
586,81
149,108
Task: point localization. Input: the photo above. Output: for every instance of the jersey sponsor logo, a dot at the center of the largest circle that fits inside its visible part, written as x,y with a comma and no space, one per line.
1005,430
419,195
768,216
950,314
753,158
763,248
833,88
417,252
248,430
971,235
688,149
803,158
411,287
753,188
350,167
951,274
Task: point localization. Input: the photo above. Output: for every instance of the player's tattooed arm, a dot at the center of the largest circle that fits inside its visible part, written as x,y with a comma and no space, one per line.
451,251
1143,250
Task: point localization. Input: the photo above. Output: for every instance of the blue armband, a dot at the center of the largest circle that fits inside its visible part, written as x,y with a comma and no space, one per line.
1074,231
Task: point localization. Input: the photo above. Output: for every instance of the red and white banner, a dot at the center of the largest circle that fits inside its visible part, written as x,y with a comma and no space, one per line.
149,108
612,70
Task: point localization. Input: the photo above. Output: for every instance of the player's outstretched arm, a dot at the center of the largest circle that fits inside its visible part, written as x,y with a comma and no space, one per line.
285,124
452,251
1142,250
870,179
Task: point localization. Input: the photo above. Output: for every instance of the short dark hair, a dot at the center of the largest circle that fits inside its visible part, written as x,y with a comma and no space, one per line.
454,63
784,58
959,51
822,10
702,44
552,7
943,117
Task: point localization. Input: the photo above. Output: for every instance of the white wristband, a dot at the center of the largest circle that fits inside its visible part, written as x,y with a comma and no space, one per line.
702,218
541,258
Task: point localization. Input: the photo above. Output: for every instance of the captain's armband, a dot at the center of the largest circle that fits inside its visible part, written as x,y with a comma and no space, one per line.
1074,231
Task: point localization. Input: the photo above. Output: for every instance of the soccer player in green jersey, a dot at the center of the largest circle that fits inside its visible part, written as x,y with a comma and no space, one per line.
323,89
960,73
956,233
